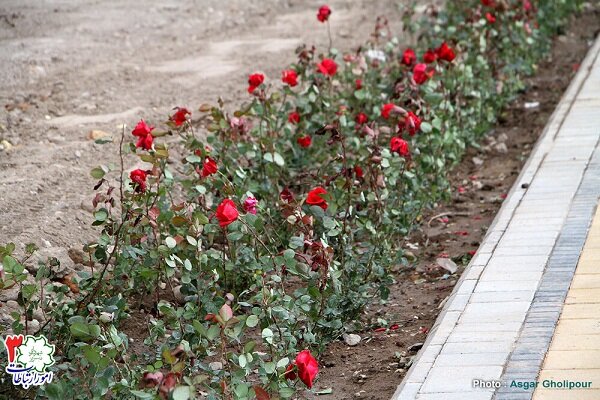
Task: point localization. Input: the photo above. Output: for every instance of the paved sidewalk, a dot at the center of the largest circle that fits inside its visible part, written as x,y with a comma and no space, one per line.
500,324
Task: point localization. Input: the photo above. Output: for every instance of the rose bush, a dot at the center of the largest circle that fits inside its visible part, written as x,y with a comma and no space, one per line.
268,237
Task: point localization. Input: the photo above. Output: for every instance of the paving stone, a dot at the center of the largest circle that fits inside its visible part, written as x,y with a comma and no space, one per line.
451,379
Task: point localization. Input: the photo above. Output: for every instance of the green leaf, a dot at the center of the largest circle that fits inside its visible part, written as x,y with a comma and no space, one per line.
80,329
325,391
97,173
252,321
425,127
181,393
142,395
101,215
91,354
278,159
242,361
283,362
289,254
170,242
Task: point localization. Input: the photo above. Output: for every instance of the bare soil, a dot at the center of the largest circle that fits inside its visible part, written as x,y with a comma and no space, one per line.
373,369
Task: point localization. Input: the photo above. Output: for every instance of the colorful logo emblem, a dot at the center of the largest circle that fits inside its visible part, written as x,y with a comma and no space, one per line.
28,360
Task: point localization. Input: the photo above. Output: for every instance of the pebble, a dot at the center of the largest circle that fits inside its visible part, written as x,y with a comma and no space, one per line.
477,161
178,295
352,339
5,145
96,134
9,294
62,255
501,148
216,365
87,206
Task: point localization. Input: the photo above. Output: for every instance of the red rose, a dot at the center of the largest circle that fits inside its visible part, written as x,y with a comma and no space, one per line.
227,212
429,56
304,141
144,133
400,146
361,118
444,52
209,167
254,81
490,18
324,13
138,177
294,117
527,5
308,368
290,77
421,74
409,57
180,116
488,3
315,198
412,123
358,84
358,171
328,67
387,109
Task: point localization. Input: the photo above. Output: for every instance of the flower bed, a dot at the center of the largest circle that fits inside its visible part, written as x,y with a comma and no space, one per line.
277,229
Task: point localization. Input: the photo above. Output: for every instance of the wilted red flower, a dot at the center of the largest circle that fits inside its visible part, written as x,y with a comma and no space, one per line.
250,205
429,56
151,379
412,123
308,368
324,13
209,167
409,57
290,77
290,373
254,81
400,146
444,52
488,3
227,212
328,67
180,116
304,141
168,384
294,117
490,18
315,198
358,84
361,118
358,171
286,195
387,109
144,132
138,177
421,74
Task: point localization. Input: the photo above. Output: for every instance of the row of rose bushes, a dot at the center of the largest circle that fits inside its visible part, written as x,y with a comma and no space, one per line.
283,220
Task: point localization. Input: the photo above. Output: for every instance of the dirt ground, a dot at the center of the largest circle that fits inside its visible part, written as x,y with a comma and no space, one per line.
72,66
373,369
